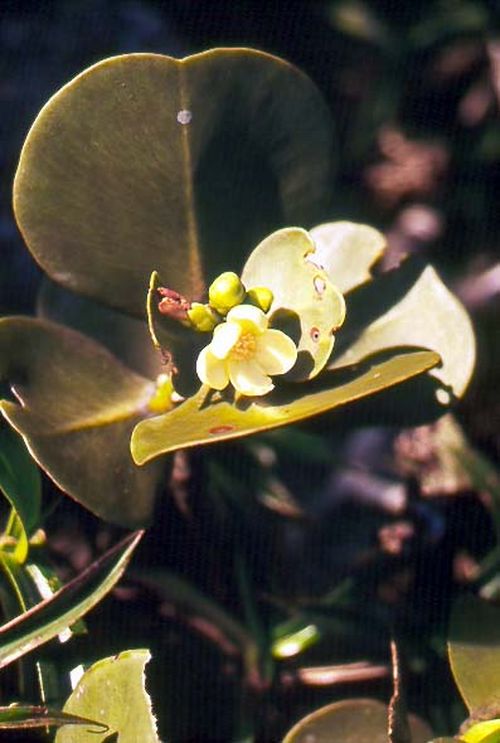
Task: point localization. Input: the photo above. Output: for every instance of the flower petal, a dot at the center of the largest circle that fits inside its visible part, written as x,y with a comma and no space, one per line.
247,314
224,338
248,378
211,370
276,353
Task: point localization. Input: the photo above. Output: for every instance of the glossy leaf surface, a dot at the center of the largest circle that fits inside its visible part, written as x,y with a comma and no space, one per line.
78,407
347,251
113,691
146,162
474,652
48,618
199,421
426,314
351,721
283,262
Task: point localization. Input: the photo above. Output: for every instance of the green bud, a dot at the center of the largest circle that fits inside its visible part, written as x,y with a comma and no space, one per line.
202,317
261,297
226,292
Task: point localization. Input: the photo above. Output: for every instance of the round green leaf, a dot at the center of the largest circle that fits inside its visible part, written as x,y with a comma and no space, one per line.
202,420
303,295
347,251
126,337
474,652
78,406
113,692
351,721
146,162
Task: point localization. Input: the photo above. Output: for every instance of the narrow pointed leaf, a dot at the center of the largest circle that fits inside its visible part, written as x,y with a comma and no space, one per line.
347,251
78,407
20,482
428,315
146,162
199,421
46,620
113,691
474,652
352,721
22,717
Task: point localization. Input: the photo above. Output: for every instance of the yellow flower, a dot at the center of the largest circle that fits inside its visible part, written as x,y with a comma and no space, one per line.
245,352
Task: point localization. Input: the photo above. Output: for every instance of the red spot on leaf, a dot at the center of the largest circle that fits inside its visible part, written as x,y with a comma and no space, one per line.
221,429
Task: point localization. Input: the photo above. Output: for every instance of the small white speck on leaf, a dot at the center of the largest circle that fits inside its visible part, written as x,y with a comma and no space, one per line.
184,116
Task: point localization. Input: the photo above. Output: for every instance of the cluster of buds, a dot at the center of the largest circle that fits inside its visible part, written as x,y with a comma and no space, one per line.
225,292
244,351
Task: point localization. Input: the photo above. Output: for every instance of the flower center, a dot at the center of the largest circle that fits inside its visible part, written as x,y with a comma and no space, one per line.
244,348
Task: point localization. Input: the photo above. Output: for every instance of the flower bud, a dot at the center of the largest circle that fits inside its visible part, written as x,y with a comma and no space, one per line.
226,292
202,317
261,297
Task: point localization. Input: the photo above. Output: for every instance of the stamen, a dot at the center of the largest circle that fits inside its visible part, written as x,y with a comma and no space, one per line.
244,348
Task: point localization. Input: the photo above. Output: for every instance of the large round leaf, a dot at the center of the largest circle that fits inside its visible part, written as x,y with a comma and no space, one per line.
201,420
351,721
145,162
125,336
78,406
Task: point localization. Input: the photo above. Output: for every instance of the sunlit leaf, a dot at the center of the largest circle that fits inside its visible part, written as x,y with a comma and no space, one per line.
201,421
347,251
133,166
113,691
427,315
18,716
483,732
46,620
309,305
474,652
351,721
78,407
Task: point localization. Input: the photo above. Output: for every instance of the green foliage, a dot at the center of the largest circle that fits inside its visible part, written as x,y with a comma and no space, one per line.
113,691
303,292
351,721
80,405
125,177
474,650
50,617
141,126
20,482
196,422
148,146
23,717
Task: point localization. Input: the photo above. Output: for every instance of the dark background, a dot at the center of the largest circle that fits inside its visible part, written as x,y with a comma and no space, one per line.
414,89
